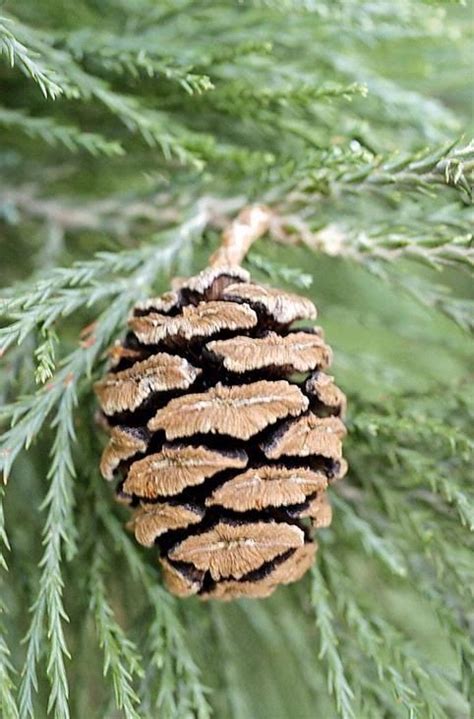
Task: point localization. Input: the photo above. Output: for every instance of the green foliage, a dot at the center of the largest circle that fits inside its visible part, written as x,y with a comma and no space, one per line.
46,129
28,61
132,132
121,658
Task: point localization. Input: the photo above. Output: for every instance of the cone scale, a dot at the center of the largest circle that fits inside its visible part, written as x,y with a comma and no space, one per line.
225,428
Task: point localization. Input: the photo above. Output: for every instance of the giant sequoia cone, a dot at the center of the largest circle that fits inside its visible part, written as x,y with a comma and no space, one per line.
225,431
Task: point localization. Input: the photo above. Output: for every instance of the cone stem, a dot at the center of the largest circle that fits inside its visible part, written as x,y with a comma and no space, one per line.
250,224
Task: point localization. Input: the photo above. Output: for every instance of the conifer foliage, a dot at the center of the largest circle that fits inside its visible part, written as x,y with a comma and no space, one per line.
132,133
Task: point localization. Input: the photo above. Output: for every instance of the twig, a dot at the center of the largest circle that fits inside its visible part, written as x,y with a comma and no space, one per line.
251,223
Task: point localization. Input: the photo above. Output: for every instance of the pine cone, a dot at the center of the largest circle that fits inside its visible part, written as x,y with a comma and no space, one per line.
225,431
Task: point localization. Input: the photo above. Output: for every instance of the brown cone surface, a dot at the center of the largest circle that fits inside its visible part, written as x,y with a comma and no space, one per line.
240,411
128,389
299,351
223,450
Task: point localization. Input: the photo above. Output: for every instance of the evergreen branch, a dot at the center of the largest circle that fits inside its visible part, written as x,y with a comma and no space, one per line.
237,706
381,251
180,688
453,566
424,477
82,274
293,638
351,171
212,57
58,540
381,643
174,140
58,532
34,651
457,631
45,355
143,53
133,56
140,63
30,413
121,658
88,274
412,538
153,126
170,651
66,289
279,273
449,165
337,682
381,16
436,297
425,474
8,705
251,100
422,542
52,133
436,247
29,61
119,214
394,99
33,413
410,424
45,314
159,690
379,547
4,543
448,489
453,611
413,530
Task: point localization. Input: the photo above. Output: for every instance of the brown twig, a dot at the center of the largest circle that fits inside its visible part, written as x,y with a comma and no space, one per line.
251,223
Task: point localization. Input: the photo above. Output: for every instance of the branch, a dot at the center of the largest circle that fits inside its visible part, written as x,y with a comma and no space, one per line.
47,129
117,215
343,170
8,705
83,284
380,642
28,61
154,127
134,56
435,247
121,658
384,550
337,681
180,684
58,539
251,223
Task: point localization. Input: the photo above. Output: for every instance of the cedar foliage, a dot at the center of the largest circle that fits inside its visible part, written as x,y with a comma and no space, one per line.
132,131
